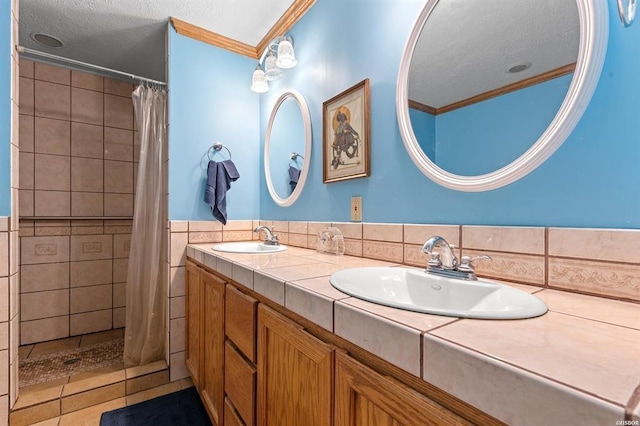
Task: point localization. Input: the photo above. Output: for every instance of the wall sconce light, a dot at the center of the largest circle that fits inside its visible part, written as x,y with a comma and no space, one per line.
278,55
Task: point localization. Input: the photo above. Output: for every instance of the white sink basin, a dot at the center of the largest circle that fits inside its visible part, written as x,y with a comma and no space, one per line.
415,290
248,247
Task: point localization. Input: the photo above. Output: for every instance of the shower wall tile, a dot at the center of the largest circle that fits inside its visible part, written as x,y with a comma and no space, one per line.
89,299
52,73
86,174
52,203
120,267
118,111
43,277
118,205
52,172
43,330
52,136
44,304
27,68
87,106
36,250
118,144
27,98
27,172
119,317
91,247
119,295
118,177
91,273
121,245
52,100
117,87
87,81
87,140
90,322
87,203
26,125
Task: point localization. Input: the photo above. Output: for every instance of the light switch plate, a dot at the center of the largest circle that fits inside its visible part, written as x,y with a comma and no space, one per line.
356,208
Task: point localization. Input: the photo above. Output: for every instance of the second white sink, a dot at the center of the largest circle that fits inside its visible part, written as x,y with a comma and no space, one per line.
248,247
415,290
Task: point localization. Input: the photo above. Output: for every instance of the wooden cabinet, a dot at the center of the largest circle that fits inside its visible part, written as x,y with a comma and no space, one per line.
254,365
363,397
204,338
295,373
193,332
212,374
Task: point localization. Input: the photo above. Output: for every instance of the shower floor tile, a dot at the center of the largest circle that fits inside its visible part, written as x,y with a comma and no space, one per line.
72,357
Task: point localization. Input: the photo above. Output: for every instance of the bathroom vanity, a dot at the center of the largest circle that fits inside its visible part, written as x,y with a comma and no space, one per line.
269,341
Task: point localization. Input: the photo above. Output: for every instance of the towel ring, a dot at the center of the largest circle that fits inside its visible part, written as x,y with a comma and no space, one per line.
294,156
217,147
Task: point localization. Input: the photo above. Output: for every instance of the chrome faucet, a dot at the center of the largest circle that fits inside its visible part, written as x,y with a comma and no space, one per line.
271,239
445,262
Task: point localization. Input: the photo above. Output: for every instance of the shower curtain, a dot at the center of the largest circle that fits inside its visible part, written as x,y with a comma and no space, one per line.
145,312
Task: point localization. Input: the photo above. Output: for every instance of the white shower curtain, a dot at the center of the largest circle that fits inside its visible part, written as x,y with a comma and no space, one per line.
145,321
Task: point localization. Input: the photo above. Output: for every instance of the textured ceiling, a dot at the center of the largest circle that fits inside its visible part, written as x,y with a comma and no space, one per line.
466,46
129,35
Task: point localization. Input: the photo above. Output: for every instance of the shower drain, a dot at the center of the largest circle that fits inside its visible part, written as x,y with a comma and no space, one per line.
71,361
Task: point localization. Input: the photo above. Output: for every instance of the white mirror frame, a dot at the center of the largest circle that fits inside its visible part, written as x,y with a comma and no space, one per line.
306,117
594,33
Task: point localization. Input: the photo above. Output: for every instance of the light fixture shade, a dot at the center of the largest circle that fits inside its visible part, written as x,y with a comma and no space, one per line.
286,55
271,70
259,81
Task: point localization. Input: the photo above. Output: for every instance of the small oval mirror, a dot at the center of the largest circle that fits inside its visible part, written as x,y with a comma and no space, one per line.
461,133
287,148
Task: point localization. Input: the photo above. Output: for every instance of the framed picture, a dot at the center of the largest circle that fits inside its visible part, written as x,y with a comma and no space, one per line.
345,134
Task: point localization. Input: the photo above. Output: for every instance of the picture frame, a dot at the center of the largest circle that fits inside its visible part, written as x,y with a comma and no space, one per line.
346,131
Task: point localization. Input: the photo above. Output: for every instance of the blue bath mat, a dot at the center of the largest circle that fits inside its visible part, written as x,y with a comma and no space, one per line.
179,408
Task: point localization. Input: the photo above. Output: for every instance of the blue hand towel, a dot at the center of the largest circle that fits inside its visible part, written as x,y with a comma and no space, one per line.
294,175
219,177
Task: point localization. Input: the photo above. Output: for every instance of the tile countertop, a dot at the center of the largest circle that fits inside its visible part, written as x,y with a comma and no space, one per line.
578,364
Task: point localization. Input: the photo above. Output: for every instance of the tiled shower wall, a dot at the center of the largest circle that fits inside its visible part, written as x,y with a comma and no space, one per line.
77,152
78,159
73,277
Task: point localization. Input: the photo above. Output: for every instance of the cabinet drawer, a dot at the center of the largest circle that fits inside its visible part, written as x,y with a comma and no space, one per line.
231,417
240,320
240,383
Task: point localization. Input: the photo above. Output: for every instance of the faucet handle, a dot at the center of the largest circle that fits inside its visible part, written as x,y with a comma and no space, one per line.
466,262
434,260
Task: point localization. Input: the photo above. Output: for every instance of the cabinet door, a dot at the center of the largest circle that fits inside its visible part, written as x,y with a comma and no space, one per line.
212,374
364,397
295,373
192,335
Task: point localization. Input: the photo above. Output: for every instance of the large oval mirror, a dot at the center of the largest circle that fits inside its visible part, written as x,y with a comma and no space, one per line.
287,148
488,90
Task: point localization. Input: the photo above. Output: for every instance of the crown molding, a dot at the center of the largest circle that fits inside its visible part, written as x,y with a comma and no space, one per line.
284,24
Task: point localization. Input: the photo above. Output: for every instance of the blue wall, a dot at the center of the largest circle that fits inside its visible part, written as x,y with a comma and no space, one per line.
486,136
209,101
5,108
593,180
